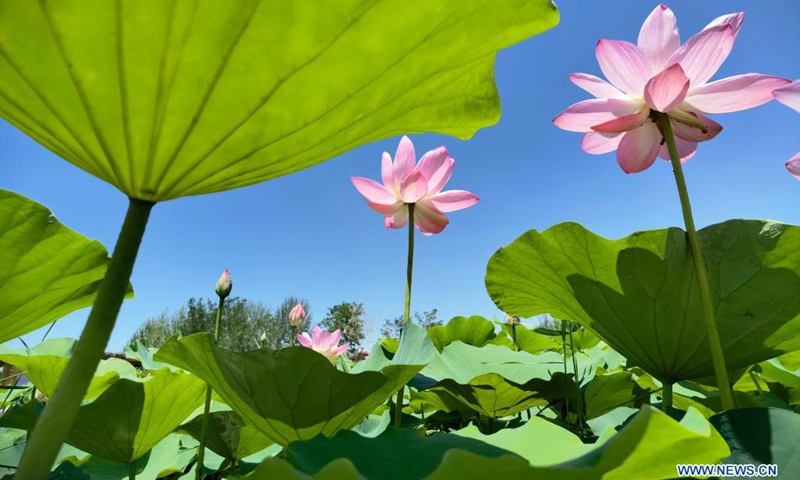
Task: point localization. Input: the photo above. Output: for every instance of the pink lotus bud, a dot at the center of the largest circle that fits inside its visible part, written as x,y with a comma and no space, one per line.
510,320
263,336
297,316
224,284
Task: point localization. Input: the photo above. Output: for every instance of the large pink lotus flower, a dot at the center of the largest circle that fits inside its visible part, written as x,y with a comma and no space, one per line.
404,183
790,96
324,342
661,75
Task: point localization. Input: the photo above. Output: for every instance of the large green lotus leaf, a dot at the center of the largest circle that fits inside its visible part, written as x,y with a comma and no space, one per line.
393,455
496,397
127,420
649,446
170,456
475,330
46,270
171,98
762,436
44,363
605,393
295,393
639,293
227,435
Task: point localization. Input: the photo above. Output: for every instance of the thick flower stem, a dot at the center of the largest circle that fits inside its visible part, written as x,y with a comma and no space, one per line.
292,336
132,471
398,408
201,449
714,342
57,418
666,396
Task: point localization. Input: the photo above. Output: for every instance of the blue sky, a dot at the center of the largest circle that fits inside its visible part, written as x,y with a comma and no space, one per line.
311,235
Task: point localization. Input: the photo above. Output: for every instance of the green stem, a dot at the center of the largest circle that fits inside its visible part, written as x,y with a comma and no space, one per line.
201,449
575,369
566,382
292,337
714,342
514,336
56,420
755,381
132,471
398,408
666,396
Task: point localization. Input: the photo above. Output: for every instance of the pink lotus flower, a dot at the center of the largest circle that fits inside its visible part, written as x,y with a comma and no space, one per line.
297,315
224,284
404,184
789,95
323,342
661,75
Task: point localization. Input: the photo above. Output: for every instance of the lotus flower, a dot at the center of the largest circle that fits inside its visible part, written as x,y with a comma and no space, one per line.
405,183
224,284
323,342
297,315
661,75
793,165
789,95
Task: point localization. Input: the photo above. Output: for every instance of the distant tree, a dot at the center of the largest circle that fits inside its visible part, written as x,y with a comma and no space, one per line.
243,322
349,318
392,326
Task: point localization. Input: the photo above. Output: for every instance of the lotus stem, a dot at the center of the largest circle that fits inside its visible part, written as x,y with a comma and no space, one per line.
132,471
566,377
514,336
755,381
666,396
398,408
201,449
53,426
715,345
575,369
292,336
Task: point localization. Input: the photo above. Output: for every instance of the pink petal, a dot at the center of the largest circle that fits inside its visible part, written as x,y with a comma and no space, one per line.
341,349
387,173
666,90
428,218
582,116
453,200
598,143
659,37
334,338
793,165
404,160
686,149
702,54
304,340
385,209
735,21
789,95
437,167
710,128
625,66
413,186
638,148
624,123
398,219
733,94
373,191
597,86
316,331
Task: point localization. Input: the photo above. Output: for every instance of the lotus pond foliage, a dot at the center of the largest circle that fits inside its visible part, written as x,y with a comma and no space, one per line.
609,358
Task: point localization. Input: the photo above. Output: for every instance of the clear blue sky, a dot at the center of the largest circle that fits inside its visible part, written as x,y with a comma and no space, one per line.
311,235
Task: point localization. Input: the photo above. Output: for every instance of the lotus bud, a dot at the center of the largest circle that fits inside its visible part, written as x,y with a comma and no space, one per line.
512,320
264,336
224,284
297,316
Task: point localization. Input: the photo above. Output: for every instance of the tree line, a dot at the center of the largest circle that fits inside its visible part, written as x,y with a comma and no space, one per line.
250,324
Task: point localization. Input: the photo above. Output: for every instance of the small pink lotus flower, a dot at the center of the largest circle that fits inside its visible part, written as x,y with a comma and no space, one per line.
224,284
405,183
297,315
661,75
324,342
